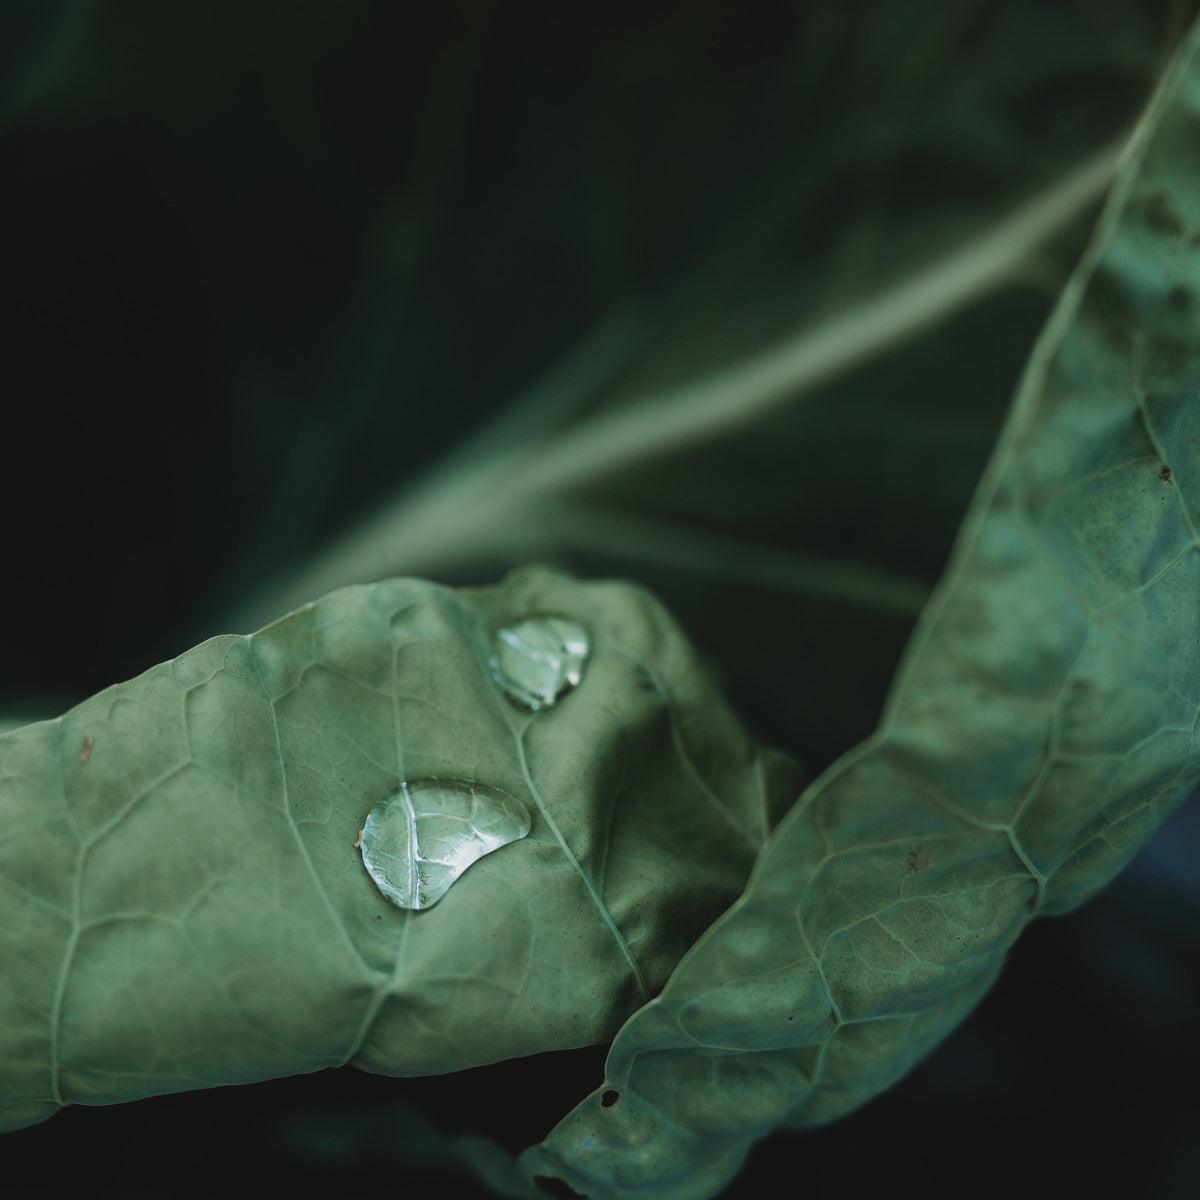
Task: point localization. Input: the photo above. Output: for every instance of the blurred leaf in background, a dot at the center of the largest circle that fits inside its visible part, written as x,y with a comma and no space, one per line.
727,299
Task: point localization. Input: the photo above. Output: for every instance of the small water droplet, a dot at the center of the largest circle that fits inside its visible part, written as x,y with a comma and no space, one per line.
539,658
420,838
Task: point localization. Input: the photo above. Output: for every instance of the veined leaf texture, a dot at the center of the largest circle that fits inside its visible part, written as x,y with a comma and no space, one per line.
729,302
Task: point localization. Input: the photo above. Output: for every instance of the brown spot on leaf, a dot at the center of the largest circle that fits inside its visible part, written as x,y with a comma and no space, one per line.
915,861
85,751
1165,473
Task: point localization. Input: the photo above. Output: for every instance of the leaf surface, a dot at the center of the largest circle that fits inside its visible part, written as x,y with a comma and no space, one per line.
187,905
1043,723
784,267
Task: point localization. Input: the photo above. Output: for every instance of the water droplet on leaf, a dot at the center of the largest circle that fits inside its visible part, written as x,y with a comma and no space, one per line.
540,658
420,838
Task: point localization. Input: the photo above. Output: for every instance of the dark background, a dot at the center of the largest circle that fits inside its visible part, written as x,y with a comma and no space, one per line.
261,264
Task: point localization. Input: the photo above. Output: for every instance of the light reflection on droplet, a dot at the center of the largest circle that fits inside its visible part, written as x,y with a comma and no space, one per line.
420,838
539,659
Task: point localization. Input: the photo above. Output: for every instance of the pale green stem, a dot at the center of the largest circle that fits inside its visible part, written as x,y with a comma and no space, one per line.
460,514
677,547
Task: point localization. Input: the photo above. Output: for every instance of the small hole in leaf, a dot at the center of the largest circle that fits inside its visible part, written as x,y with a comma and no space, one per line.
557,1189
609,1098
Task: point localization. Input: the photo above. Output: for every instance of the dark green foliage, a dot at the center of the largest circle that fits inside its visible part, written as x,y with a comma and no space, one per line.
730,302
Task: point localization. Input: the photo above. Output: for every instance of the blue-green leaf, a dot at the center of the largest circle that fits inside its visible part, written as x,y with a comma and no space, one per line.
1043,723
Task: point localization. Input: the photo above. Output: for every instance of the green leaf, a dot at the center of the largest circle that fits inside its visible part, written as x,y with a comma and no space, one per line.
731,303
1043,723
187,905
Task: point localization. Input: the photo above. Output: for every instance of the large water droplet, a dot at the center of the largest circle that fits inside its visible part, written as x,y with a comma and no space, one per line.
540,658
419,839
